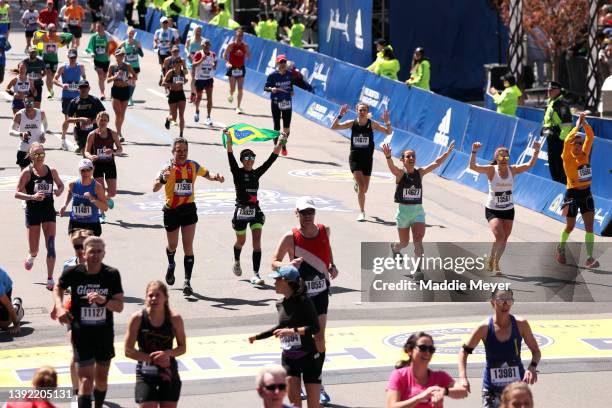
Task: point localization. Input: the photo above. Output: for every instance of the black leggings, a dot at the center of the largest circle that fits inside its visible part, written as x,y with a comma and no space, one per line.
277,114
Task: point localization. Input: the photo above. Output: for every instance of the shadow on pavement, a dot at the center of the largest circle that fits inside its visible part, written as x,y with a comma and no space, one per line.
227,303
313,161
378,220
23,331
128,192
128,225
336,290
150,144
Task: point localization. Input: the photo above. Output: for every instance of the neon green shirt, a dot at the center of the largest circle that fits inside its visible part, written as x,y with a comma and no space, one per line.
388,68
98,46
419,76
4,14
272,29
221,19
295,35
507,101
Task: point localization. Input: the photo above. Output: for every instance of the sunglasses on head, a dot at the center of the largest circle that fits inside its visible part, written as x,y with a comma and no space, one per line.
307,211
424,347
38,155
274,387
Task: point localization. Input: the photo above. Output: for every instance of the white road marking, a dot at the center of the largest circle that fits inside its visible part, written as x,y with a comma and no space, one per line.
154,92
71,145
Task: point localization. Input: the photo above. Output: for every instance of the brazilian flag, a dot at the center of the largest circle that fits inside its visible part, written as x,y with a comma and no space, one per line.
65,39
242,133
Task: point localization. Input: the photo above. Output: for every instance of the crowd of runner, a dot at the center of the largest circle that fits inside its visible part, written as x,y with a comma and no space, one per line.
89,292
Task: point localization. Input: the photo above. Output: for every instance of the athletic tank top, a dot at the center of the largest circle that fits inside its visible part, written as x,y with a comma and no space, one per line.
362,137
500,191
122,70
150,339
317,257
84,210
504,364
194,46
71,76
30,125
21,88
131,55
205,69
177,79
409,190
237,56
40,183
100,143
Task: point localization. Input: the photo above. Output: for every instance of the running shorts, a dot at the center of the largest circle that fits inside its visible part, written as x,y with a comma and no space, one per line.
4,315
408,214
22,159
176,96
17,104
308,367
39,216
88,349
51,65
240,225
121,93
201,84
181,216
321,301
501,214
230,74
578,200
146,391
361,162
103,65
76,31
105,169
94,227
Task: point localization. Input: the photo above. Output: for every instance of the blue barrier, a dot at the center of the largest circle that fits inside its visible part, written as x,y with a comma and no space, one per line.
422,121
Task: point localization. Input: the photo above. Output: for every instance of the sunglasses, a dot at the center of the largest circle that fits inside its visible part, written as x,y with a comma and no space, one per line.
85,170
249,158
502,300
308,211
502,157
274,387
38,155
424,347
78,247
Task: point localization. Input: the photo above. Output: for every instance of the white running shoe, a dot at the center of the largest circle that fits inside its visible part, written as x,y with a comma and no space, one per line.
239,111
256,280
230,98
208,121
237,269
50,284
29,262
361,217
64,145
18,306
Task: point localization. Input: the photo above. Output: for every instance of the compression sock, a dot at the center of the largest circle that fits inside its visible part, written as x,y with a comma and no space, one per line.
237,252
589,240
99,397
84,401
170,255
188,262
564,237
256,261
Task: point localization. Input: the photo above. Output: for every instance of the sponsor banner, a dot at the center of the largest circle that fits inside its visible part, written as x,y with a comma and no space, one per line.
445,120
458,169
488,128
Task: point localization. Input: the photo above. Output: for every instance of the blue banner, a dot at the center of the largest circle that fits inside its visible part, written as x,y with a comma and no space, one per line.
345,30
488,128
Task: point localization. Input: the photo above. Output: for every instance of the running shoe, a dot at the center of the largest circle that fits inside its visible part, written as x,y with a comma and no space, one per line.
560,255
121,138
196,117
208,122
239,111
394,251
187,290
111,203
591,263
489,264
324,398
77,150
103,98
167,124
51,94
18,306
497,268
355,186
361,217
302,394
64,145
29,262
130,102
256,280
284,150
50,284
230,98
237,269
170,274
102,218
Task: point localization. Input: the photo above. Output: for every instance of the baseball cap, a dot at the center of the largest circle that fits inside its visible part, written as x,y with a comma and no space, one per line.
83,83
164,19
85,164
554,85
119,51
288,273
281,58
72,53
304,203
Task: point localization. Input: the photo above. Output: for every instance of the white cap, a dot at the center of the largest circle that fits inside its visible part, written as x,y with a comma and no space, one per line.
85,164
163,19
303,203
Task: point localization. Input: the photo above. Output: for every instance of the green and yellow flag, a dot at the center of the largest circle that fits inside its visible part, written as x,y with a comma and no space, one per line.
242,133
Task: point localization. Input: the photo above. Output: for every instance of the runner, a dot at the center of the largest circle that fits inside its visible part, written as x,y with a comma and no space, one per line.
30,124
193,44
95,9
576,164
247,212
35,187
174,80
499,209
203,71
120,75
11,310
414,384
98,46
133,49
410,214
20,87
297,324
75,14
47,16
163,40
309,250
502,336
235,55
517,395
50,43
4,47
280,86
180,213
271,383
88,198
71,74
35,69
97,295
83,111
29,19
102,146
361,156
155,327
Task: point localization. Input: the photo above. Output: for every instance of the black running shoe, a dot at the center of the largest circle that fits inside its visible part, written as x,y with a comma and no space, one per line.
187,291
170,274
167,124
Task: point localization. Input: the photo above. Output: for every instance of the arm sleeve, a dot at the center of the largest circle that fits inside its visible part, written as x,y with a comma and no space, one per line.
90,47
269,82
267,333
267,164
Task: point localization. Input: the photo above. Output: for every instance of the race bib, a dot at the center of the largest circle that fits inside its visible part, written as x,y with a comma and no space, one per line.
22,87
236,73
81,211
44,187
50,48
73,22
93,315
178,80
361,141
87,127
411,193
131,57
245,213
100,50
505,375
314,287
122,76
291,342
34,75
503,199
585,173
101,155
183,188
205,73
73,86
284,104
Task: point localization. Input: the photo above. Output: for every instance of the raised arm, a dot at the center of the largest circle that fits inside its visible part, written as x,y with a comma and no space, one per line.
396,171
518,169
387,128
342,125
488,170
439,160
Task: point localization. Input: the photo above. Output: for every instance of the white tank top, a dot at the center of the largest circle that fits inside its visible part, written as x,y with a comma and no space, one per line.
205,70
22,87
34,126
500,191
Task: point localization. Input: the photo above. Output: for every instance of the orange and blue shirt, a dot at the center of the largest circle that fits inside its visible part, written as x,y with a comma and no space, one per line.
179,185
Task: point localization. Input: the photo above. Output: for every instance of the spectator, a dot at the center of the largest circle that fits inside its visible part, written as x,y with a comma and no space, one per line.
389,66
605,60
129,11
272,27
507,101
380,44
44,378
414,384
260,27
271,382
296,32
420,71
284,10
141,8
224,19
516,395
10,312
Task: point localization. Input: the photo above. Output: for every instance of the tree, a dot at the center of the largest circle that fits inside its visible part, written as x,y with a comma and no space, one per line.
563,23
